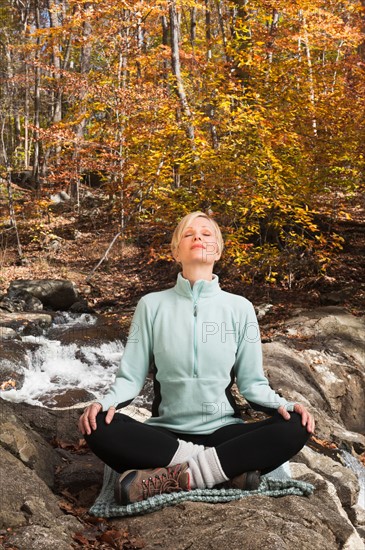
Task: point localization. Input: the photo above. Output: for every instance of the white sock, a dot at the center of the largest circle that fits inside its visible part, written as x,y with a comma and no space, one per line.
185,450
205,470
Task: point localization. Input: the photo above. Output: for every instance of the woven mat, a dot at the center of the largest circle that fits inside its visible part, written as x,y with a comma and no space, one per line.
275,484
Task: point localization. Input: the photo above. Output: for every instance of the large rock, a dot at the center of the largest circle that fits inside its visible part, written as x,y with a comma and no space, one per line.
7,333
88,334
44,531
57,294
28,446
255,523
21,301
48,423
20,320
334,328
18,483
307,361
318,359
343,479
13,361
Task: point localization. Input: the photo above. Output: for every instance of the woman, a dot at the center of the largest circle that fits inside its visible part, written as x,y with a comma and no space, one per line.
199,339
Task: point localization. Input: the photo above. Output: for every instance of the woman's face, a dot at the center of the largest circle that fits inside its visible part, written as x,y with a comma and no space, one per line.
198,244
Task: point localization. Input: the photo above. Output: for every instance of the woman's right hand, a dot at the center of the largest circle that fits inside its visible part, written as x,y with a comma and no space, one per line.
87,421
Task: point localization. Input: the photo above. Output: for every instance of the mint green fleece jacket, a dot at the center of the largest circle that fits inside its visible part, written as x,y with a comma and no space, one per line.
200,340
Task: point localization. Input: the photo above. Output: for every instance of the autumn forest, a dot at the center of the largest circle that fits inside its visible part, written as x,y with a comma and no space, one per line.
251,110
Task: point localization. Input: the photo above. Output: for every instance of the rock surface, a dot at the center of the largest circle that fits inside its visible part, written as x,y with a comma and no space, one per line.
52,293
316,358
319,359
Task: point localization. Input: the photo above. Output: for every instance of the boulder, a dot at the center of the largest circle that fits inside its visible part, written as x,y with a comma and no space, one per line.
255,523
28,446
48,423
343,479
87,334
56,294
357,517
21,301
19,321
18,483
43,532
13,361
318,359
7,333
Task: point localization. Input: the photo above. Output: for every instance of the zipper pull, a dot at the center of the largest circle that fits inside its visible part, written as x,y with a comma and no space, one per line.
195,310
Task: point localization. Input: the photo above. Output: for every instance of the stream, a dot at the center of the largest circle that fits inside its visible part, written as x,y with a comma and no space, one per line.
60,372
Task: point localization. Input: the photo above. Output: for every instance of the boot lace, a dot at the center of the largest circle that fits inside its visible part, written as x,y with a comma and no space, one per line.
165,482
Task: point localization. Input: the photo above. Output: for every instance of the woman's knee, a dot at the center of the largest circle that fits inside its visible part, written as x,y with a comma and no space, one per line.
297,427
106,430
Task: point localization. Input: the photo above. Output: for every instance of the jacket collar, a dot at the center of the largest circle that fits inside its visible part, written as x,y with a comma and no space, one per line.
201,288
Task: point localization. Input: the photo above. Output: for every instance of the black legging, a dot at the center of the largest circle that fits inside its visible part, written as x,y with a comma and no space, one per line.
126,444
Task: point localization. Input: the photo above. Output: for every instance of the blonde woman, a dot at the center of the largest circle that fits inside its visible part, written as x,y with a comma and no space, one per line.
199,339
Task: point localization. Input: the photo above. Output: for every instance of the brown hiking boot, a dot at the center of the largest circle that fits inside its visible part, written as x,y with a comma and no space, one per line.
248,481
137,485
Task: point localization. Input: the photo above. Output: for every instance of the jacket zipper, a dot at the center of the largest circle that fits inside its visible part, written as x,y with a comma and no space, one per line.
195,314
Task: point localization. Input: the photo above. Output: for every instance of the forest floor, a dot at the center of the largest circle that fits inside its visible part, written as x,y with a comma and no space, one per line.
67,245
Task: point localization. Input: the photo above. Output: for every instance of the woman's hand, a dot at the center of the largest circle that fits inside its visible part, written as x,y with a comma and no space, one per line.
87,421
307,418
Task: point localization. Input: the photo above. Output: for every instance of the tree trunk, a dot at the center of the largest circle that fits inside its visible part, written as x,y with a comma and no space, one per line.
176,69
85,59
210,108
165,42
192,26
37,105
312,95
239,16
272,28
53,10
26,120
361,48
222,28
208,33
10,192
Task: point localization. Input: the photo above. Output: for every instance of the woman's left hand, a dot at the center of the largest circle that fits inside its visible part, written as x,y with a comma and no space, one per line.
307,418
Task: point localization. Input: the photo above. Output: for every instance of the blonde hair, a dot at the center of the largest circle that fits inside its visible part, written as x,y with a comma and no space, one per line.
185,221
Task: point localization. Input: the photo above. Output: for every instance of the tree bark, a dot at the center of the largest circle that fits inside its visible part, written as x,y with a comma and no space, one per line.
192,26
361,48
165,42
85,59
208,33
272,29
176,69
37,104
312,95
222,28
53,10
239,16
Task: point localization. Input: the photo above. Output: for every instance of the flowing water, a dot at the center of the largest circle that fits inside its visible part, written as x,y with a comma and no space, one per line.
54,368
60,372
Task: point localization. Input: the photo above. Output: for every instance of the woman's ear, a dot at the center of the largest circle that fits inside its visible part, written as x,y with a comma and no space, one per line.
218,257
218,254
175,255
